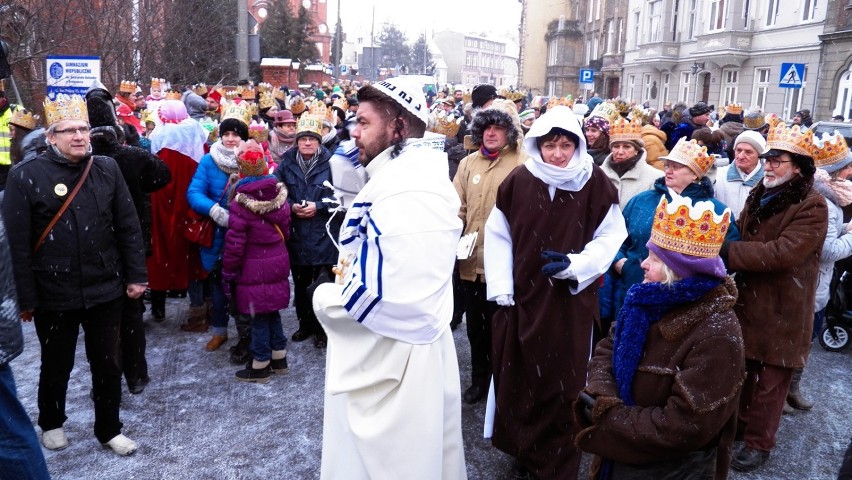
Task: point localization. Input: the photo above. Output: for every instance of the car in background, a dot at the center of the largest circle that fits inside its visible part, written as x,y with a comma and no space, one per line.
845,129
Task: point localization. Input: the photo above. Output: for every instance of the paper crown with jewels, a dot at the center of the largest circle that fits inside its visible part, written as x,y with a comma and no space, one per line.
199,89
444,124
231,94
689,229
172,95
318,109
513,95
146,116
297,105
754,119
638,113
341,103
126,86
264,87
258,131
65,107
793,139
734,109
235,110
567,101
247,93
622,130
266,100
829,149
157,82
607,111
309,125
24,118
690,153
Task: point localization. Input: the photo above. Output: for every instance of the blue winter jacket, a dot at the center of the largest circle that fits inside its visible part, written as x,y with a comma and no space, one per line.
638,216
204,190
309,242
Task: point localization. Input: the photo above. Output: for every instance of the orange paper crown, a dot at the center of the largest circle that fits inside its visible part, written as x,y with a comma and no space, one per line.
691,154
563,101
734,109
695,230
65,107
622,130
829,149
297,105
127,86
157,82
792,139
247,93
25,119
173,95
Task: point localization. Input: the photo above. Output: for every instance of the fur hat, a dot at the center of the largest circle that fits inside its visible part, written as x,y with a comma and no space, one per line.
481,94
234,125
100,107
700,108
501,113
251,160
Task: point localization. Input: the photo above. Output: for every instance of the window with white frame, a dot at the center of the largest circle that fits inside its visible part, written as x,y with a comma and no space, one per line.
746,11
693,18
620,35
588,51
685,80
551,87
595,46
730,83
717,16
809,10
610,36
552,53
636,23
590,16
793,97
844,96
761,87
665,91
646,87
655,15
675,11
631,86
772,12
597,9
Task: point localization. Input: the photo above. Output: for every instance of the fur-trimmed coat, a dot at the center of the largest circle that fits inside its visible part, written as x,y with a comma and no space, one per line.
777,265
655,145
255,255
686,389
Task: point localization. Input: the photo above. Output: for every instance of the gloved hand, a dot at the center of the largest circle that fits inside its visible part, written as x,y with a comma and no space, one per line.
219,215
505,300
557,266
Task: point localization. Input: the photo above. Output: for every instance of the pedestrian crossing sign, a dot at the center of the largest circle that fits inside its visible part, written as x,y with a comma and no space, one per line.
792,75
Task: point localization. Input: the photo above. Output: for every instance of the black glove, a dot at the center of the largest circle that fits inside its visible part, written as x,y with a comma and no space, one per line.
557,262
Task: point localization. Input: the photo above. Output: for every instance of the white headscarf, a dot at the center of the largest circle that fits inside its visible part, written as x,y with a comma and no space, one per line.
579,169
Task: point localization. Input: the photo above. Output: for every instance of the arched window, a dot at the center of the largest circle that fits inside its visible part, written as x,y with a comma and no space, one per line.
844,95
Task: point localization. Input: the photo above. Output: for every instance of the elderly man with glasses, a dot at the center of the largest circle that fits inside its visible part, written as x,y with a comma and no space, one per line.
74,267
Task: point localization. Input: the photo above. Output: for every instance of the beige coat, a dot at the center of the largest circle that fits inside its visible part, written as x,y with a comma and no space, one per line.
638,179
476,182
655,145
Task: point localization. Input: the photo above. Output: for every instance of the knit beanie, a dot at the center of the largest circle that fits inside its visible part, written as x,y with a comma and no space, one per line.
482,93
700,108
752,138
234,125
600,123
251,160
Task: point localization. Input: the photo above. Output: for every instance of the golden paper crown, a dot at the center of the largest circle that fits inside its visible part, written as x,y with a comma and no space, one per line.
638,113
173,95
606,111
65,107
252,109
146,116
342,104
264,87
793,139
690,153
236,110
127,86
297,105
513,95
231,94
567,101
829,149
444,124
621,106
259,131
309,124
695,230
318,109
199,89
467,98
754,119
247,93
266,100
157,82
24,118
622,130
280,95
734,109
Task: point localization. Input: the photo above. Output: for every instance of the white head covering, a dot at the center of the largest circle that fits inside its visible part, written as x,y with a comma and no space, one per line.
579,168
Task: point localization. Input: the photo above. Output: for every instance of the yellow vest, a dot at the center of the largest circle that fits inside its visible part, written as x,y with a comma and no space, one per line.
5,138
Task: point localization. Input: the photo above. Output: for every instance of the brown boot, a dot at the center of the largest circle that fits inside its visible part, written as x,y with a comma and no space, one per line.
794,395
216,342
197,321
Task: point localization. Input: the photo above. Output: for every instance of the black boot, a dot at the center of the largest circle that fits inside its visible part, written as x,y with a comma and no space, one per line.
240,352
260,374
158,305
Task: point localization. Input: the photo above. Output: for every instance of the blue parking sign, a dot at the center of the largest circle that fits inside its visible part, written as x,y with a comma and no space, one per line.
587,75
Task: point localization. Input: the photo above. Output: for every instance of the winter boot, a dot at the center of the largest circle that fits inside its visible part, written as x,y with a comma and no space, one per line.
158,305
794,394
197,321
256,372
240,352
279,361
216,342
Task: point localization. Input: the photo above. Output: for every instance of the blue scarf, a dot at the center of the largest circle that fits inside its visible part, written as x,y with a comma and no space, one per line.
644,304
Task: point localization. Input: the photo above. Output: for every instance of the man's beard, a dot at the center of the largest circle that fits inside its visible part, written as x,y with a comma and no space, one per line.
772,182
366,153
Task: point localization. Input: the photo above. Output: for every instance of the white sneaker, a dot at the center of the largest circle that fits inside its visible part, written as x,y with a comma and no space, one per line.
54,439
121,445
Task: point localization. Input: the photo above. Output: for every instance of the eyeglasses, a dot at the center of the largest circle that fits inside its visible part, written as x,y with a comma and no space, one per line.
775,161
73,131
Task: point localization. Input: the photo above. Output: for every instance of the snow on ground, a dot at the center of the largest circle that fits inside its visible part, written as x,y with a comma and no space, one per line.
195,421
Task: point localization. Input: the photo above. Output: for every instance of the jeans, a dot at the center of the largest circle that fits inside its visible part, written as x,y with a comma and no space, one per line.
267,335
219,304
196,293
57,333
819,320
20,453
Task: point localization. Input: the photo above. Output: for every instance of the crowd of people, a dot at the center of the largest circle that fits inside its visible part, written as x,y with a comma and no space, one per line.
604,257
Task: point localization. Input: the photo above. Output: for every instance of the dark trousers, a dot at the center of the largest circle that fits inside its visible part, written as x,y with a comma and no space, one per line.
761,404
479,312
303,277
133,361
57,333
20,453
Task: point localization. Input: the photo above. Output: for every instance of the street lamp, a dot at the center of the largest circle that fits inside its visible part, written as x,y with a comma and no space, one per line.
695,68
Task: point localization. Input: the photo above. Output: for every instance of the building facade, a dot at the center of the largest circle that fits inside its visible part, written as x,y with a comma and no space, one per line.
834,91
721,52
322,34
472,59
